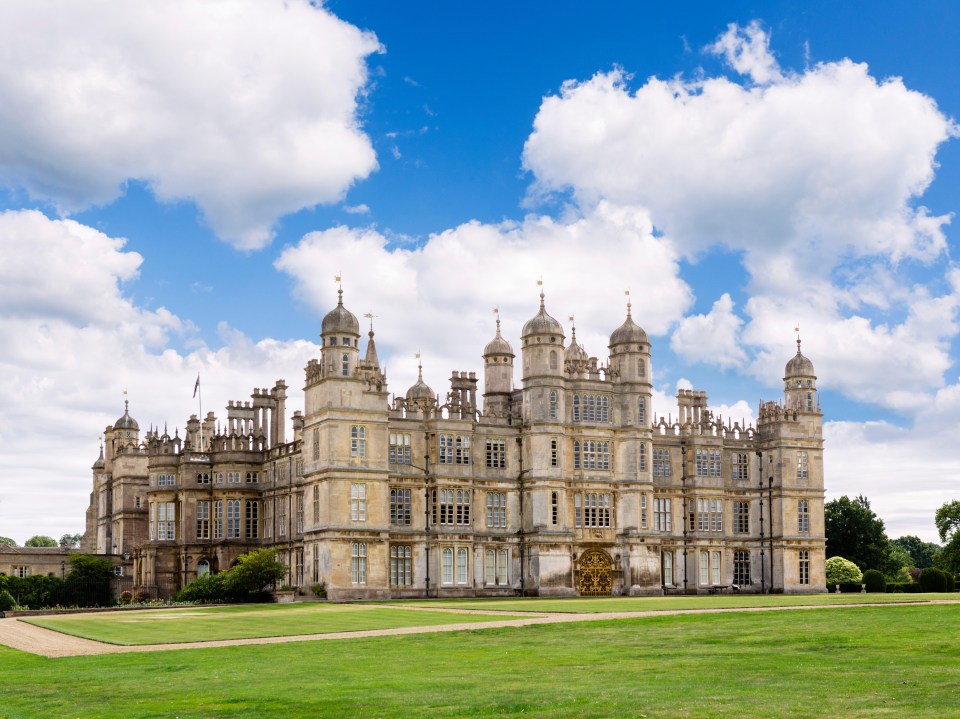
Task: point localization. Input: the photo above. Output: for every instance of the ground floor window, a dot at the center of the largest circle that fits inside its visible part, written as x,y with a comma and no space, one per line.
299,567
709,569
804,566
666,566
401,565
203,568
448,566
495,567
358,563
741,568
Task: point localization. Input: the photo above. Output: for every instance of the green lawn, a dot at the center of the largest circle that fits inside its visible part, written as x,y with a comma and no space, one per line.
242,622
651,604
883,661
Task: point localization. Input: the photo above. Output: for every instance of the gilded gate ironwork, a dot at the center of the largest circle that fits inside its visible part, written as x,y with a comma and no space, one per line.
596,574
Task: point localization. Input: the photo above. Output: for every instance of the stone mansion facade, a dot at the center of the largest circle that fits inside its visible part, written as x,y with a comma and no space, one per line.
567,485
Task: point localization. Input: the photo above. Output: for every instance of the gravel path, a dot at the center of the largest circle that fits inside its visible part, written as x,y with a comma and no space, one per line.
45,642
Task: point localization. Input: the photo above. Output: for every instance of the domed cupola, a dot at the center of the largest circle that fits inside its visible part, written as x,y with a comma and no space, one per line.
542,324
798,366
99,464
628,333
340,320
498,345
800,384
420,395
126,423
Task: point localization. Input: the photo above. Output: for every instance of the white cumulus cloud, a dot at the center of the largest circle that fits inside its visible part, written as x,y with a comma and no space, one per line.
247,108
711,338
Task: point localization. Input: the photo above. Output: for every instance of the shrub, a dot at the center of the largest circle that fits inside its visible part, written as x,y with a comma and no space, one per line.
933,580
208,588
7,602
951,582
875,580
253,572
320,590
842,571
903,587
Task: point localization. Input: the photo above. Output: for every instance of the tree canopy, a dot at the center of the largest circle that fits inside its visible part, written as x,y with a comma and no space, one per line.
253,572
948,525
9,542
854,531
40,540
921,553
70,541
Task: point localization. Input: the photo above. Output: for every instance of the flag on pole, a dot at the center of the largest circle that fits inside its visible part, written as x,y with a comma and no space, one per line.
196,387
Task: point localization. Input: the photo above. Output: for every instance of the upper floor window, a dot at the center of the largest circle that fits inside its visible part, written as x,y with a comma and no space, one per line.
316,444
497,509
553,404
233,519
708,462
641,368
358,441
399,448
253,477
802,465
741,516
706,514
643,458
253,518
554,452
166,521
203,519
554,508
591,454
358,502
591,510
591,408
203,478
233,478
803,516
496,453
454,449
316,505
661,514
661,462
643,511
809,400
400,511
641,410
741,465
345,365
451,507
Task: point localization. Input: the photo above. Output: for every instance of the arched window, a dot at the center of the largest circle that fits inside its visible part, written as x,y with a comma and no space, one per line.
576,454
345,366
643,458
553,404
576,408
809,401
203,567
461,566
358,441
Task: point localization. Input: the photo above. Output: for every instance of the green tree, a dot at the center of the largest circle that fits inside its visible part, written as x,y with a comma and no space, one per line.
70,541
947,520
253,572
40,540
854,531
922,553
9,542
88,582
842,571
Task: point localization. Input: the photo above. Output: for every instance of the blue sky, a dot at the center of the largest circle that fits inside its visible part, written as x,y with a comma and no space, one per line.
200,172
